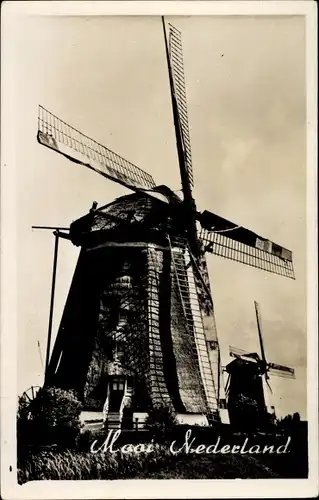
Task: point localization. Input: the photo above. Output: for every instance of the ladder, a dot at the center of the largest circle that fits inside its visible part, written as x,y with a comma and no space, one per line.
184,273
159,392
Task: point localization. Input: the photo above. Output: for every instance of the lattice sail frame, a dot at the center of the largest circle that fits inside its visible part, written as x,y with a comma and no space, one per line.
176,61
56,134
281,370
219,244
156,379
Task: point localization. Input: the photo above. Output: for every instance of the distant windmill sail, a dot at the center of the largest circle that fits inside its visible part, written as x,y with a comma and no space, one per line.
236,351
61,137
281,370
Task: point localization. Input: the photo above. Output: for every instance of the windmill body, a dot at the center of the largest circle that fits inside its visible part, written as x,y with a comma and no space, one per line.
246,402
138,328
248,375
136,314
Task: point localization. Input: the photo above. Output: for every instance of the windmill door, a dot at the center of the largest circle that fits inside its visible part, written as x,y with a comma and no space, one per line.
116,393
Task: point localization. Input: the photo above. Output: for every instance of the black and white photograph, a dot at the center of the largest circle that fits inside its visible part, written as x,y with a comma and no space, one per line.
158,195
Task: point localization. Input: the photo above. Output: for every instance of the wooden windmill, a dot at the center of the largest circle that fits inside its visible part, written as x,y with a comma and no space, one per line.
246,398
138,327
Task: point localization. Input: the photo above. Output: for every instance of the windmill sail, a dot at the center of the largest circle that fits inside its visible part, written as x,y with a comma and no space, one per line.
235,352
177,67
56,134
281,370
272,368
260,335
192,315
226,239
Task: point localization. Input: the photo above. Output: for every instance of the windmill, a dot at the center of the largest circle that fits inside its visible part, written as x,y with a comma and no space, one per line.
138,328
246,398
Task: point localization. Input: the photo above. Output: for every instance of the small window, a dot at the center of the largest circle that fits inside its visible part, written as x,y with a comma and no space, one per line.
118,385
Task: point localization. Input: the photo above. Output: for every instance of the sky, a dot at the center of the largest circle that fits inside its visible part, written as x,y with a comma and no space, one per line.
107,76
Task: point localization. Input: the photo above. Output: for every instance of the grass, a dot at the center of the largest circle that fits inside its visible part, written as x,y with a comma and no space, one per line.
157,465
162,464
85,465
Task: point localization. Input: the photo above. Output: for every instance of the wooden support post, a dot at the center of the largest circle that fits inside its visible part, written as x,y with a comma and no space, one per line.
55,259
